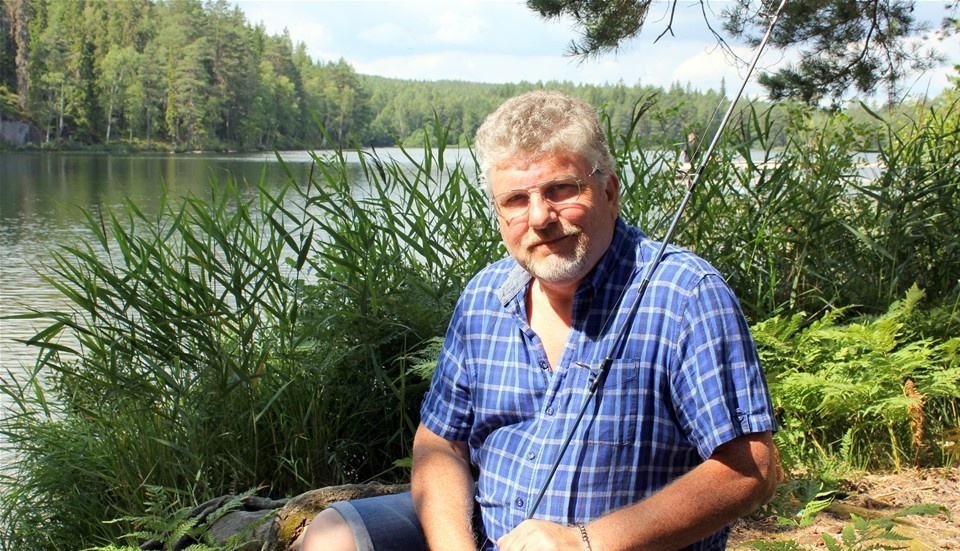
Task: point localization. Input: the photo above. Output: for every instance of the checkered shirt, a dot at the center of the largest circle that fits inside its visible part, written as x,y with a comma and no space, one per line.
685,380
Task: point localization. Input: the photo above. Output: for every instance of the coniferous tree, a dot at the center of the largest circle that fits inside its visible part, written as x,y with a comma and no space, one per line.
15,19
844,45
8,47
232,69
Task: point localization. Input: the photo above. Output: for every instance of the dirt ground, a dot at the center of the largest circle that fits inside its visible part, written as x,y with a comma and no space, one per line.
875,495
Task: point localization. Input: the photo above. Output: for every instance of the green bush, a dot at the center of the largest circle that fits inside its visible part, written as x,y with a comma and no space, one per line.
238,341
807,227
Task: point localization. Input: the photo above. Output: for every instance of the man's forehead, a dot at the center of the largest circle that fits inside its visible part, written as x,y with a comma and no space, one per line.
530,171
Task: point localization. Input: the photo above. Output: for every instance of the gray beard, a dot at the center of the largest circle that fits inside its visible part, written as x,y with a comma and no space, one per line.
560,269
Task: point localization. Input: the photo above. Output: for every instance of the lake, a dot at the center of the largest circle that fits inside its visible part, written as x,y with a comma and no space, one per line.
41,195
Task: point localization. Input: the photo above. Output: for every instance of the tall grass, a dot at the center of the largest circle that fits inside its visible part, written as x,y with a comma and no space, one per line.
178,319
805,227
246,339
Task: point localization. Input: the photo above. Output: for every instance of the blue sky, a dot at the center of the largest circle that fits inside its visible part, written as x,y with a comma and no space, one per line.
504,41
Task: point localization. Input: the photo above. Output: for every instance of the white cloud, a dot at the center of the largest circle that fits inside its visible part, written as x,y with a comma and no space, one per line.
702,66
454,28
389,34
504,41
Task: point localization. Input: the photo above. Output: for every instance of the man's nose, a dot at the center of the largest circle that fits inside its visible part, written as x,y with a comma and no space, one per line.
540,213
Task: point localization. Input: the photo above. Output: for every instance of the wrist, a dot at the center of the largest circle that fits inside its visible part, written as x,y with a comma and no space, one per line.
585,537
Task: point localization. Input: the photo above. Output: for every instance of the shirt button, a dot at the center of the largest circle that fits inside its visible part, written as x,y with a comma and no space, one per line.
549,411
531,456
519,502
544,365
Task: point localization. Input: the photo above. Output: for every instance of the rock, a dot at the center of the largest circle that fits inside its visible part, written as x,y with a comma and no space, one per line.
258,523
16,133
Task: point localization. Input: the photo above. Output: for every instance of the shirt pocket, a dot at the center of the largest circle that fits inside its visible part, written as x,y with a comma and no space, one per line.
616,407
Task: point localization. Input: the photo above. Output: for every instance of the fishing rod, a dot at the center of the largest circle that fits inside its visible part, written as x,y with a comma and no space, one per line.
651,267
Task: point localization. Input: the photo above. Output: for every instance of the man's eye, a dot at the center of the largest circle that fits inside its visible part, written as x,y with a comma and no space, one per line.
561,191
515,200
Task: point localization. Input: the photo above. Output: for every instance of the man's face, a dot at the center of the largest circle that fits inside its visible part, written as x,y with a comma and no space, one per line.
558,243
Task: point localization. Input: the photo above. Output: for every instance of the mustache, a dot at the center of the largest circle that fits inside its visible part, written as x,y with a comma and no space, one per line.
555,232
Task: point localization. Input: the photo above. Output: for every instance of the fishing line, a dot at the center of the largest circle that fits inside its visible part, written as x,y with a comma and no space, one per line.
648,273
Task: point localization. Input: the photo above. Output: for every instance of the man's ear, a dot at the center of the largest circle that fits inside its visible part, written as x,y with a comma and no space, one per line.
612,190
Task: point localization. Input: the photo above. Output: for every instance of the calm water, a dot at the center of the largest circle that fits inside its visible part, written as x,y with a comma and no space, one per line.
39,198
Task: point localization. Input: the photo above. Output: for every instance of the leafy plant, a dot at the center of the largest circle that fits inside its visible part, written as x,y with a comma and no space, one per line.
859,392
861,534
164,525
813,495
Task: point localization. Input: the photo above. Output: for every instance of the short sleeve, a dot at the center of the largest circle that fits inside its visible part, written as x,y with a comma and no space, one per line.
719,389
446,409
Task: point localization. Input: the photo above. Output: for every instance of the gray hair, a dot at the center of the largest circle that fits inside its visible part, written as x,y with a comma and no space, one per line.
538,124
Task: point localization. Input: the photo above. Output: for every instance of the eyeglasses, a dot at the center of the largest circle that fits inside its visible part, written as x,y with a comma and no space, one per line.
516,202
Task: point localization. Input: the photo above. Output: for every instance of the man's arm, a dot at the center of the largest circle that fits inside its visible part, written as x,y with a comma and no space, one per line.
443,490
739,477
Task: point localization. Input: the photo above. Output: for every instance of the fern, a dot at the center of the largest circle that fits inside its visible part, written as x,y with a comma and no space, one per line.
815,497
867,392
876,534
164,526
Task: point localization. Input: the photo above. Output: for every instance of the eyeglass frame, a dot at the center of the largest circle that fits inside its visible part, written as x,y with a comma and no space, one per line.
539,189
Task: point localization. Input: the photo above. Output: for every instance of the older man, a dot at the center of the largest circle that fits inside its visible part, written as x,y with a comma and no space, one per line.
676,444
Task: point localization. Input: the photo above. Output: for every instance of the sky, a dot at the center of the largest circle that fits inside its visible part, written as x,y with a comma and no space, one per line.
499,41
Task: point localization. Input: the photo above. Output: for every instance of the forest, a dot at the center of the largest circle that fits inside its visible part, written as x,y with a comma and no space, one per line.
190,75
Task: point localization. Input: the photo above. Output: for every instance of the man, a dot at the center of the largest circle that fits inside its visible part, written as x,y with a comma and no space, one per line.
677,442
690,149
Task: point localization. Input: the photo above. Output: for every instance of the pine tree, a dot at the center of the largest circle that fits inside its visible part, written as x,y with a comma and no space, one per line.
844,45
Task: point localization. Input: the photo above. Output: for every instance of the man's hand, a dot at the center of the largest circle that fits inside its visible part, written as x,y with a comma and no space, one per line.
540,535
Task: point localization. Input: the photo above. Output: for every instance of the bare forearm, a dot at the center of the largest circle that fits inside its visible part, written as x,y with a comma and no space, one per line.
696,505
443,491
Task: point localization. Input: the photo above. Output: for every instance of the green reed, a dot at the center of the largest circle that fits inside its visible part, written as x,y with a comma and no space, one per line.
806,226
176,320
244,339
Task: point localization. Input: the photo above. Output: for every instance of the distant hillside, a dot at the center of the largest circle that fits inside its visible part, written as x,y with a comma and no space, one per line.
187,74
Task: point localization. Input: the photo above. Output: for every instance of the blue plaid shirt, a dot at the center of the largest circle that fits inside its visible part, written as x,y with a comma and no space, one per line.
686,380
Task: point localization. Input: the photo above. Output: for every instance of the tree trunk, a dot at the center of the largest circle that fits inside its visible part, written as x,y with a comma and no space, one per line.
272,525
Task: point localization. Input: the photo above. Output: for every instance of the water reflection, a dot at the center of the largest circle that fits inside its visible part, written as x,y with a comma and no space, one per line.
42,185
41,198
42,195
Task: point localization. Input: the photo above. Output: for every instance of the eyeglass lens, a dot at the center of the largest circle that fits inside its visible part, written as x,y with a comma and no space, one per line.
516,202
